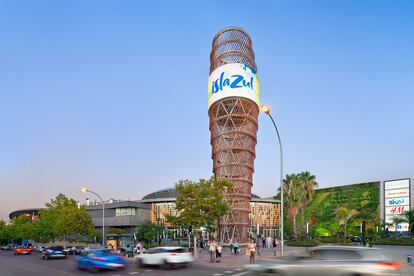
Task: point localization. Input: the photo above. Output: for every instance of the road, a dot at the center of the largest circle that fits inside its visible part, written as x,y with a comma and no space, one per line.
23,265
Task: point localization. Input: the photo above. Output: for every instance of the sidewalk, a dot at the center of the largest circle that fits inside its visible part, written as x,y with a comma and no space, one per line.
233,261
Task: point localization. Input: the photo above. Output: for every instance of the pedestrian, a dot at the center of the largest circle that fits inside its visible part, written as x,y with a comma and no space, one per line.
231,246
252,246
236,248
264,242
274,243
212,250
218,252
128,250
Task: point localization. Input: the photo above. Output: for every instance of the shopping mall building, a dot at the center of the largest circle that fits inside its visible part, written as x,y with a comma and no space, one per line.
384,199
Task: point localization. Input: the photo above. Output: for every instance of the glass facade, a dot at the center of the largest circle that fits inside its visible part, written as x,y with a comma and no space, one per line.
264,213
128,211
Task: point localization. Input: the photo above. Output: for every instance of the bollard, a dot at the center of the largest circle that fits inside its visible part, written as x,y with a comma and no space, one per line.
409,260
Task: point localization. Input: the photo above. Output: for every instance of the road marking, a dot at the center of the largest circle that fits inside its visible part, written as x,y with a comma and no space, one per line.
217,274
132,273
238,269
240,274
228,271
148,270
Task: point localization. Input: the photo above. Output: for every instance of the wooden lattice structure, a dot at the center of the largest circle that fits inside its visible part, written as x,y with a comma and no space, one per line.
233,127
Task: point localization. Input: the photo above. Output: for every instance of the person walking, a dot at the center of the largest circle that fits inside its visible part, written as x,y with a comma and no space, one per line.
236,248
218,252
263,242
231,246
212,250
252,246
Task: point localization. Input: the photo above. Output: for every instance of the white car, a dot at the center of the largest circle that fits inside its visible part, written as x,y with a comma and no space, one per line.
167,257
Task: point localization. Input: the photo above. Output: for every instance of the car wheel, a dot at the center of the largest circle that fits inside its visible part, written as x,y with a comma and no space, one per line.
167,265
141,263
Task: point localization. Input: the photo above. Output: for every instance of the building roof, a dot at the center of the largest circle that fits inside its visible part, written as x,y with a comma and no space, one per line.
117,204
28,211
169,194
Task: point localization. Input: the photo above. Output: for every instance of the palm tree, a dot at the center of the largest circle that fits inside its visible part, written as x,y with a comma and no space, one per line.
292,195
343,215
409,218
308,183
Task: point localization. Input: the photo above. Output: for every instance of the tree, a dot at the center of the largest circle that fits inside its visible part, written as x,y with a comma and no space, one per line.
343,215
148,231
308,185
4,232
292,197
63,219
409,218
200,204
21,228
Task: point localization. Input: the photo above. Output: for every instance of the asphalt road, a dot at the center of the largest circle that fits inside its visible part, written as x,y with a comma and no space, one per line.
23,265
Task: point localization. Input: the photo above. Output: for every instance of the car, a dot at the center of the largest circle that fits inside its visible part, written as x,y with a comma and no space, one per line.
167,257
79,249
70,250
22,250
355,239
100,259
40,249
329,260
54,252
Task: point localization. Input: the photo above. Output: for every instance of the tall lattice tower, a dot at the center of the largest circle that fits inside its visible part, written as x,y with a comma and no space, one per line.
233,102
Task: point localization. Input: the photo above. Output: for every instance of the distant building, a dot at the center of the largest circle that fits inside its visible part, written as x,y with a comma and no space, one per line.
32,213
263,211
122,219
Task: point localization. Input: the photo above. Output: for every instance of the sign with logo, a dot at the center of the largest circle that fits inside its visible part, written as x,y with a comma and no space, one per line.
233,80
397,184
400,227
397,193
396,210
396,202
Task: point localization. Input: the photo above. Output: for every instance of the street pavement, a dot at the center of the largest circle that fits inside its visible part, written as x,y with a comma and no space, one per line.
33,264
11,265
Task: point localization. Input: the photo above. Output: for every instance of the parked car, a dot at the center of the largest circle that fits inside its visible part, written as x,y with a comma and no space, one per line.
167,257
22,250
54,252
100,259
355,239
70,250
79,249
329,260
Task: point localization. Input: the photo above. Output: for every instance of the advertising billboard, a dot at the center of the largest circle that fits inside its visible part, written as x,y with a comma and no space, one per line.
233,80
397,199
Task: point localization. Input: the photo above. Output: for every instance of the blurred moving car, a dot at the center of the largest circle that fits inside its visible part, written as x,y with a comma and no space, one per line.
100,259
329,260
53,252
167,257
22,250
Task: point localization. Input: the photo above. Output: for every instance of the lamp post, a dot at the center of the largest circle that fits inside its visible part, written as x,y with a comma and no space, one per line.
266,110
103,212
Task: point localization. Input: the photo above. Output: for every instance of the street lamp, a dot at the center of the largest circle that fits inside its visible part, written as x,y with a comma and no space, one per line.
86,190
266,110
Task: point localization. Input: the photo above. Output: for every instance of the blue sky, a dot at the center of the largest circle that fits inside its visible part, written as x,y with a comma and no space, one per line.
113,94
